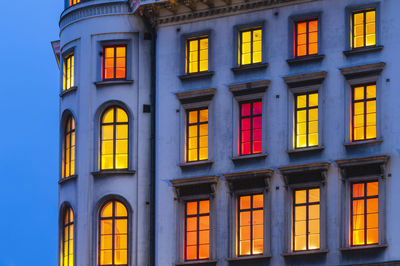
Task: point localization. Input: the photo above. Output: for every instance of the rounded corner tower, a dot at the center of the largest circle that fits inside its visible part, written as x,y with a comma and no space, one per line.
105,135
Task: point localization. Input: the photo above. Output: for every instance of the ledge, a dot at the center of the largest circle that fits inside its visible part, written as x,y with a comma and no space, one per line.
200,75
197,163
67,179
195,185
249,258
305,79
306,253
305,59
196,95
313,172
249,157
360,248
113,172
197,262
381,159
247,88
362,143
250,67
363,50
70,90
362,70
112,82
304,150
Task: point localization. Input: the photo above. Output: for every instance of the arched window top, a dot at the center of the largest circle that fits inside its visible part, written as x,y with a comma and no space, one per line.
69,147
67,238
114,114
108,210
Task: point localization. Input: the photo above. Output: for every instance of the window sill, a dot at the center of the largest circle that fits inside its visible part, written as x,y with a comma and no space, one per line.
249,258
309,149
362,142
250,67
67,179
197,163
306,253
70,90
197,262
112,82
305,59
363,50
367,247
199,75
249,157
113,172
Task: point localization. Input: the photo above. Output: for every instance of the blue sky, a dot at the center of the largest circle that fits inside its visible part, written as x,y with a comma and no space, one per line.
28,132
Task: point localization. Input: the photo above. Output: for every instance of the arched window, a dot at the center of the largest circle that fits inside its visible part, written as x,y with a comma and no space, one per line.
67,238
113,234
68,151
114,139
73,2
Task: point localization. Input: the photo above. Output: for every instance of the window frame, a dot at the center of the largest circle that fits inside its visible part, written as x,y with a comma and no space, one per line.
66,206
295,41
307,109
251,116
198,123
65,72
68,118
103,58
66,50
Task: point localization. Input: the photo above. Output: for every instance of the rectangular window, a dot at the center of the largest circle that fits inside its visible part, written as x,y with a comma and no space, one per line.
306,120
250,127
114,62
364,213
251,225
68,72
197,230
74,2
306,219
364,112
250,46
363,28
306,37
197,55
197,135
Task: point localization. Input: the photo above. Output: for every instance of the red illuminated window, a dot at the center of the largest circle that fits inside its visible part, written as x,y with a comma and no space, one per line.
306,37
250,127
197,230
114,62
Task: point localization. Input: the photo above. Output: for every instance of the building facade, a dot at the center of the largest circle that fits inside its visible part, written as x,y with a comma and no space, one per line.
229,132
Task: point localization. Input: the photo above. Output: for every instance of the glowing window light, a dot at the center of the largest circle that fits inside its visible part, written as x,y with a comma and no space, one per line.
68,72
69,147
197,54
364,112
250,131
74,2
67,238
363,28
114,62
306,38
197,135
250,46
306,120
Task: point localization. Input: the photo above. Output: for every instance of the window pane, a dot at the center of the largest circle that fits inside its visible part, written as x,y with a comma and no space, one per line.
245,202
300,196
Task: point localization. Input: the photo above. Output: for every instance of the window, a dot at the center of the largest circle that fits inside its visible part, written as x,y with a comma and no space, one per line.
364,112
67,238
69,147
306,37
197,230
250,46
250,127
363,28
306,120
113,234
306,219
114,141
114,62
74,2
250,233
364,213
68,72
197,135
197,54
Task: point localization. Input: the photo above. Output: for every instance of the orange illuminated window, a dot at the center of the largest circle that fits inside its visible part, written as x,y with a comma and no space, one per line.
114,62
306,38
197,230
68,72
74,2
114,139
363,28
68,152
250,139
250,46
251,225
306,120
113,234
197,55
67,238
306,219
364,213
197,135
364,112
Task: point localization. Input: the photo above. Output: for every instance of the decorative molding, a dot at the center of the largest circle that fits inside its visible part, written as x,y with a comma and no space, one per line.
249,87
196,95
195,185
305,173
305,79
362,70
247,180
374,165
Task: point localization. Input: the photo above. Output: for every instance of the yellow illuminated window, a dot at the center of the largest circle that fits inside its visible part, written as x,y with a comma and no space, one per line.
68,153
197,135
364,213
113,234
68,72
363,28
364,112
67,239
251,225
250,46
306,38
197,230
114,139
74,2
306,120
114,62
197,55
306,219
